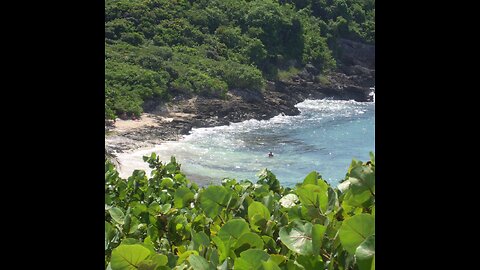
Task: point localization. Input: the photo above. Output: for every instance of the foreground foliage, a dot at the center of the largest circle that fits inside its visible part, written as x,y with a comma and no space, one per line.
167,222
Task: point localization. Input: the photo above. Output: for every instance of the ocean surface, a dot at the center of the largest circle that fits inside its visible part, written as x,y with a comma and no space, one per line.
324,137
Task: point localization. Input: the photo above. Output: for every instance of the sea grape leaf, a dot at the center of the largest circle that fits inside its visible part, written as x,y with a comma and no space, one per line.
185,256
297,212
297,237
363,178
355,230
167,182
268,201
154,208
314,196
314,178
318,231
257,208
277,258
233,229
117,215
224,265
332,200
372,158
182,197
311,262
109,234
357,199
223,249
134,222
199,263
214,199
250,259
269,265
138,209
365,253
213,258
128,257
267,177
269,243
256,213
200,239
248,240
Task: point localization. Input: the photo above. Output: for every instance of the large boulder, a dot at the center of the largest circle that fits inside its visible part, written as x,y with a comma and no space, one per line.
353,53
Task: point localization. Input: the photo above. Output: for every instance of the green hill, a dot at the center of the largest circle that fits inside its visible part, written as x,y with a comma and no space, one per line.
158,49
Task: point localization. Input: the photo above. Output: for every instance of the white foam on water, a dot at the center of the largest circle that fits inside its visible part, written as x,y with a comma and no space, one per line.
217,151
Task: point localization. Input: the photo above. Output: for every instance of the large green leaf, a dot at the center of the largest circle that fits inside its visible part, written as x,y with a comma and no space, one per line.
269,265
250,259
138,209
269,243
314,178
355,230
233,229
159,259
183,196
365,254
277,258
318,231
362,178
223,248
257,208
356,199
311,262
297,237
248,240
128,257
185,256
109,234
214,199
199,263
117,215
257,212
200,239
314,196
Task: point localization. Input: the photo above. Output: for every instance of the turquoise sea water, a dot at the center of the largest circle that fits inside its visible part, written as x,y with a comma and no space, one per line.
325,136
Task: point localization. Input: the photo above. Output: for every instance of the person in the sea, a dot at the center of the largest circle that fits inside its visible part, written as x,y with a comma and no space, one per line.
270,154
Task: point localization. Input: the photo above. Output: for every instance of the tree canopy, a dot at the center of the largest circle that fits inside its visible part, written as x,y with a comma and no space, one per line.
157,49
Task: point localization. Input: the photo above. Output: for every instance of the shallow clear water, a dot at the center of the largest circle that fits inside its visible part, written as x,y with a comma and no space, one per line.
325,136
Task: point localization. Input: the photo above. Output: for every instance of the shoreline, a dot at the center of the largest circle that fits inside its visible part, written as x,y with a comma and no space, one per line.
170,122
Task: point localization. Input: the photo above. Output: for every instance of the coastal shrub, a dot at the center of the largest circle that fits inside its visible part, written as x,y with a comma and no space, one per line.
287,74
242,76
166,221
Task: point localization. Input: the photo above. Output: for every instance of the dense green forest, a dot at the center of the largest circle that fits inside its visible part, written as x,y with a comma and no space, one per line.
165,221
158,49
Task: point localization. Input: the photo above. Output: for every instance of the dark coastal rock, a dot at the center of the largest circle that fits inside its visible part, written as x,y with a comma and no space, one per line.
312,69
304,74
353,53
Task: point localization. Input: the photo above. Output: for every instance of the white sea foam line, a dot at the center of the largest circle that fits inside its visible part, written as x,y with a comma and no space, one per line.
133,160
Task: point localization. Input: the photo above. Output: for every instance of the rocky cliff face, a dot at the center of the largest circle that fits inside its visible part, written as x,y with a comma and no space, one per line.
353,53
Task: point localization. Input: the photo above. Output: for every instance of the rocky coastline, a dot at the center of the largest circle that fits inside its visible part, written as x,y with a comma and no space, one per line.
352,81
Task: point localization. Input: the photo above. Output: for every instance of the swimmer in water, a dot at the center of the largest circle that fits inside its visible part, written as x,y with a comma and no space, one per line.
270,154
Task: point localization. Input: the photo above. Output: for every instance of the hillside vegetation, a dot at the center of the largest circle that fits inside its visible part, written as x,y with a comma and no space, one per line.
156,50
